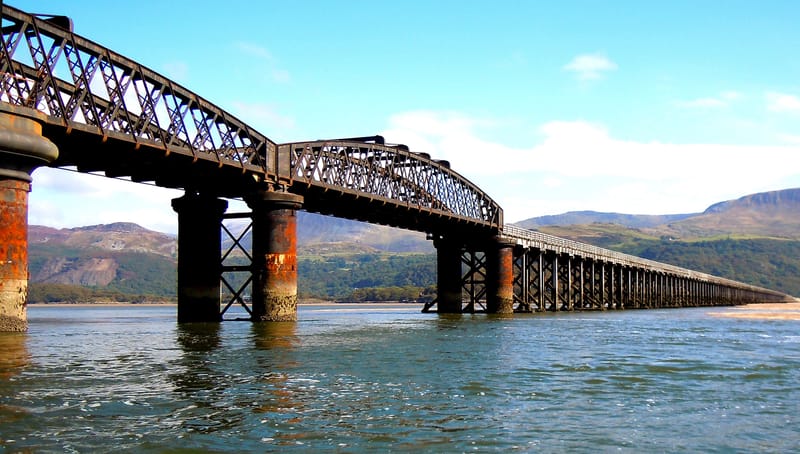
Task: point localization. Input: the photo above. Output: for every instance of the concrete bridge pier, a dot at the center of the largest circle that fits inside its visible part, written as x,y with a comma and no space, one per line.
448,275
500,276
274,295
199,266
22,149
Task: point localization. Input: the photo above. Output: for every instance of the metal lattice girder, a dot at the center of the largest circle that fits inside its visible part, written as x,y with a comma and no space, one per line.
627,289
474,280
551,301
110,95
92,94
387,174
236,279
528,280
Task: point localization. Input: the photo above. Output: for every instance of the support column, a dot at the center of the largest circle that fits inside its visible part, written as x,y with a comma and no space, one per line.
199,267
275,255
500,276
22,149
448,276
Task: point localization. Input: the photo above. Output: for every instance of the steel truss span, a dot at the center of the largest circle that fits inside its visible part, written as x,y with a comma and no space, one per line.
383,174
84,86
107,113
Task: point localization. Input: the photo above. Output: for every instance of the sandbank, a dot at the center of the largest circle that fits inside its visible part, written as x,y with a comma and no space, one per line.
766,311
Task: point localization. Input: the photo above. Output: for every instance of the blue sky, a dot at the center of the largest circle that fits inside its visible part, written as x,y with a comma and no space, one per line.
626,106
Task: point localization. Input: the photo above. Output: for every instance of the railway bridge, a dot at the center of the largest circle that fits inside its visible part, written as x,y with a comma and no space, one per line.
68,102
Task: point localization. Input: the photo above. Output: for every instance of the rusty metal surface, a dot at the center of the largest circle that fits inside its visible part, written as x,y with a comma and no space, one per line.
275,257
13,254
500,278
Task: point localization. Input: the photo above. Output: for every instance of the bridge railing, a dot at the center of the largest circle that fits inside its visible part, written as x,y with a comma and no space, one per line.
391,173
543,241
110,95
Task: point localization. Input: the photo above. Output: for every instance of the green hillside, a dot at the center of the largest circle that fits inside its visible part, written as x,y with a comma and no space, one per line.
769,263
754,239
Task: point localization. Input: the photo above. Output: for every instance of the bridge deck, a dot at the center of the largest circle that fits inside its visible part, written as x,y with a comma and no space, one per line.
531,239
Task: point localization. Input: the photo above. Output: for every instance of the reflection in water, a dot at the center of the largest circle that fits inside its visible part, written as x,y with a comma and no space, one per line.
198,377
14,357
280,402
198,337
272,335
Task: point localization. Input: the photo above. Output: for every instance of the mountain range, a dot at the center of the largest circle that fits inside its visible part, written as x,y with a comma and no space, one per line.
771,215
755,239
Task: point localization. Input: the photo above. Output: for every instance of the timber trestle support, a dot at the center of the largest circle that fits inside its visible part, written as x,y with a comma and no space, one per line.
551,274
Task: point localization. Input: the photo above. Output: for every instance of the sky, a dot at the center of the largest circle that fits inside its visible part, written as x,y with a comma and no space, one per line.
622,106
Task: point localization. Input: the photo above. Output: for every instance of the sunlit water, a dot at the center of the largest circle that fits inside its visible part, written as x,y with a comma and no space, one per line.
389,378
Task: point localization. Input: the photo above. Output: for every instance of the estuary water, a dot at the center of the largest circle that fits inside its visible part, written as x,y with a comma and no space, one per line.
390,379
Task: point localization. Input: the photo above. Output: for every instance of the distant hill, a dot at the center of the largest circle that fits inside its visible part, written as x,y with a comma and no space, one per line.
120,258
125,260
317,233
593,217
774,214
754,239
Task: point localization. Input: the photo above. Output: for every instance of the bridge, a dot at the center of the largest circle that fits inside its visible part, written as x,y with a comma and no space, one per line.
71,103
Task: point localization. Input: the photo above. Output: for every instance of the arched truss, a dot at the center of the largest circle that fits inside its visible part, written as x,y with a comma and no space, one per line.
391,173
84,87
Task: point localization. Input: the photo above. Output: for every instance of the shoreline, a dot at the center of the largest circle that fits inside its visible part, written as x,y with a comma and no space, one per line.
758,311
299,304
763,311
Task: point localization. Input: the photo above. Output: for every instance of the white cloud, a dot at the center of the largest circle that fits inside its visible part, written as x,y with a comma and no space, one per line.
579,165
782,102
730,95
790,138
254,50
723,100
263,117
60,198
177,70
590,66
266,59
703,103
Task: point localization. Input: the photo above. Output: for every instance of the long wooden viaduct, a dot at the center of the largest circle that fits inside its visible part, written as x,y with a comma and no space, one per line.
68,102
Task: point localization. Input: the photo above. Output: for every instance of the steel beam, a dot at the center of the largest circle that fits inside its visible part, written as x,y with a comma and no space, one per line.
199,266
500,276
448,275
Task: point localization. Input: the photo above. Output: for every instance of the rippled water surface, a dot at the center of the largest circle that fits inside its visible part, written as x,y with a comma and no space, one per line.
381,378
